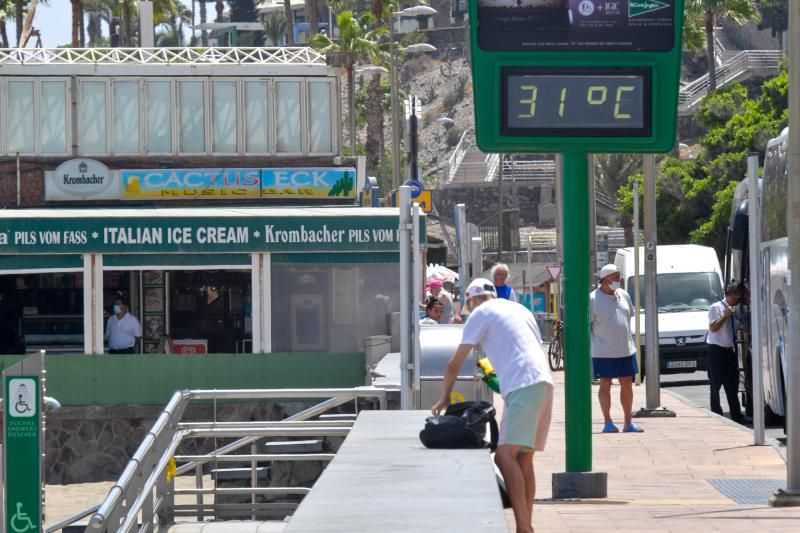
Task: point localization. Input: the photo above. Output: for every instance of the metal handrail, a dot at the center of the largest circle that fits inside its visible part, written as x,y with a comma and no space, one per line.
58,526
538,170
133,495
492,162
692,93
461,149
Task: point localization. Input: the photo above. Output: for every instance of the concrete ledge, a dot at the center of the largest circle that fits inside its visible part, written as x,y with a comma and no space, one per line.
570,485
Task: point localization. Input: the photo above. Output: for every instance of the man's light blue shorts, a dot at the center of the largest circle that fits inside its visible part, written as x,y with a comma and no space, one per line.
526,417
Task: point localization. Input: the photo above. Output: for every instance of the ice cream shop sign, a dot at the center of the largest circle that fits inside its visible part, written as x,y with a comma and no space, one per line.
199,231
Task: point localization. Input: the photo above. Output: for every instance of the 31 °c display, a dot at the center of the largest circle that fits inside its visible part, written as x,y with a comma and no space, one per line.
585,103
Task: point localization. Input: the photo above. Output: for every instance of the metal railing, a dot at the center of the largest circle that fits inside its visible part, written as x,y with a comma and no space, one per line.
492,162
143,498
524,170
162,56
742,63
461,149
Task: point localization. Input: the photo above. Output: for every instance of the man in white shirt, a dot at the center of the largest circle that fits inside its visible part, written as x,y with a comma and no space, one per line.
123,330
512,341
723,364
613,351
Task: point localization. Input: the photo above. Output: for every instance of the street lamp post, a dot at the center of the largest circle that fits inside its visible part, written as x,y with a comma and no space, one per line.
414,11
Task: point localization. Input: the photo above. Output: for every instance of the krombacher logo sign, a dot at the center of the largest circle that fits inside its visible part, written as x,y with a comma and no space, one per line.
81,179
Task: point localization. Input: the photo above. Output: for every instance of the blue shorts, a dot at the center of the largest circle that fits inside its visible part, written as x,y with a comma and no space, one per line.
614,367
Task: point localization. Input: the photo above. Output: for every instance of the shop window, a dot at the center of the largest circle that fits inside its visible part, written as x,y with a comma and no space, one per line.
288,117
159,117
126,117
211,306
256,117
52,121
94,116
224,116
320,117
192,117
332,307
20,112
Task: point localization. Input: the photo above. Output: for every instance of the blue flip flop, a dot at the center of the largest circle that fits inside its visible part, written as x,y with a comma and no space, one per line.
610,428
632,428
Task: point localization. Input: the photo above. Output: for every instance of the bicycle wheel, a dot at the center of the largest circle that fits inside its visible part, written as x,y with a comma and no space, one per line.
555,354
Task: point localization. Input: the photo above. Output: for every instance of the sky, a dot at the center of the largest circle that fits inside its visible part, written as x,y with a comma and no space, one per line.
54,22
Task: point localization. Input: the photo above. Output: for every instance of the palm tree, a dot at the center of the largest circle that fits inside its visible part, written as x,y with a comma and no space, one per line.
736,11
19,13
287,12
356,42
274,27
312,13
77,10
5,11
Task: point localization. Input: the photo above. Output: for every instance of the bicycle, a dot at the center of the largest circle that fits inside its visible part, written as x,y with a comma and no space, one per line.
555,352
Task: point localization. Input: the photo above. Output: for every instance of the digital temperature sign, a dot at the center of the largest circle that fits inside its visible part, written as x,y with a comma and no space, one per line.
561,103
578,76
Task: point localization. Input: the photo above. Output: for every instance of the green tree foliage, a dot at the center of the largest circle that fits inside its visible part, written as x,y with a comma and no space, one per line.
694,197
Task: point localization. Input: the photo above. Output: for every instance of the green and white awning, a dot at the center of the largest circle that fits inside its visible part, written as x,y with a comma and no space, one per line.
217,230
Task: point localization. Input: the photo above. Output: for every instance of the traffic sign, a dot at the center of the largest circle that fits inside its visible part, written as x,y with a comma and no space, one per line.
553,271
416,188
424,201
22,431
583,76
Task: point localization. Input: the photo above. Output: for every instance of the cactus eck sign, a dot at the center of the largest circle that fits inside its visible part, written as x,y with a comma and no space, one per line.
304,183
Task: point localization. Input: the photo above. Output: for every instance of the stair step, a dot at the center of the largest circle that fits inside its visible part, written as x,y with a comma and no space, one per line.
231,474
294,446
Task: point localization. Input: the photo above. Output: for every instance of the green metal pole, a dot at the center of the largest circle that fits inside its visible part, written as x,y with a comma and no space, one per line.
577,360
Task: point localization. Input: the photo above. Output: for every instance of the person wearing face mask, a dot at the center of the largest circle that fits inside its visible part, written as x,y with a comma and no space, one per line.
123,330
613,351
723,364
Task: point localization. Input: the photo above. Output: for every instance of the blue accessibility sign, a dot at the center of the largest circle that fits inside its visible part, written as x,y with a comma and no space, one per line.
416,188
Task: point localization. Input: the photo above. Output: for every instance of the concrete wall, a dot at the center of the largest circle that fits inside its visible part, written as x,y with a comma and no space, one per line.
534,200
94,443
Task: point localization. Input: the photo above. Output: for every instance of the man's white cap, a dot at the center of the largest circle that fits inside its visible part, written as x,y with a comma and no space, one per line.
607,271
479,287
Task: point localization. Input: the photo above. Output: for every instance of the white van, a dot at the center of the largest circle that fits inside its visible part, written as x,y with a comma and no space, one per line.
689,281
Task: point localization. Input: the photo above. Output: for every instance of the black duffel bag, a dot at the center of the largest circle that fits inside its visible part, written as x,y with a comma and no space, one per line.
463,425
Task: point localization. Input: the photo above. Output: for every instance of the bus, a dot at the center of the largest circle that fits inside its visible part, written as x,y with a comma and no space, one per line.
773,320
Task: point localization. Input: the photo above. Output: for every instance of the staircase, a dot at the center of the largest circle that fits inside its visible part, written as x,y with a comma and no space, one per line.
741,66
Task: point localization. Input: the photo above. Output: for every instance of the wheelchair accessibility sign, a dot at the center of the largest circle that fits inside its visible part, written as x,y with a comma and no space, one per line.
23,434
21,398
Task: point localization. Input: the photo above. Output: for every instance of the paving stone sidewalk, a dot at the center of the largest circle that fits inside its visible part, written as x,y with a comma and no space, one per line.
664,480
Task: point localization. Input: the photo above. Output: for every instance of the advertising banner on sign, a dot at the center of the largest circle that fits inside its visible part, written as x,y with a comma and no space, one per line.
81,179
176,184
210,183
576,25
197,234
308,182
